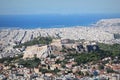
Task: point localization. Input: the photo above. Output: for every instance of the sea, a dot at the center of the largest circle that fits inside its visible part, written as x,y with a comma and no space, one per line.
51,20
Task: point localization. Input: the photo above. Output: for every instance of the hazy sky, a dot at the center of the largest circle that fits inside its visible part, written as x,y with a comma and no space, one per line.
59,6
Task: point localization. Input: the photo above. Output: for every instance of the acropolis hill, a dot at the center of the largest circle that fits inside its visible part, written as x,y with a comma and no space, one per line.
104,31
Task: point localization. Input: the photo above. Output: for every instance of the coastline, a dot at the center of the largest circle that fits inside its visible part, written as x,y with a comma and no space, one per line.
52,21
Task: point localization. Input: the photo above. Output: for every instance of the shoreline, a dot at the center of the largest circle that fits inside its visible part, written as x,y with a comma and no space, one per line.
13,28
97,24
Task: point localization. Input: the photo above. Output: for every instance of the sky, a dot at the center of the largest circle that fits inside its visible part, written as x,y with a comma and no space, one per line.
13,7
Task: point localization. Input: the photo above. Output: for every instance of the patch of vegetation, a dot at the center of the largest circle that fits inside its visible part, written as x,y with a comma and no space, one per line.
30,63
55,71
85,58
109,70
106,50
35,41
8,60
110,50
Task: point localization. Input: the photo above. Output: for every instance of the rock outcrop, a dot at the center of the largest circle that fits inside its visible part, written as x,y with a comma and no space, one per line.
39,52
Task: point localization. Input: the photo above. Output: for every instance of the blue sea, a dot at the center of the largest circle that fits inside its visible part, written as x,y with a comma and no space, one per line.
51,21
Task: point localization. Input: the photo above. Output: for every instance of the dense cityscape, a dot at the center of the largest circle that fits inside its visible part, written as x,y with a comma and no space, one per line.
78,53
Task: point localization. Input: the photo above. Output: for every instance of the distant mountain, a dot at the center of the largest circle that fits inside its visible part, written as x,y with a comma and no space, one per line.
108,22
